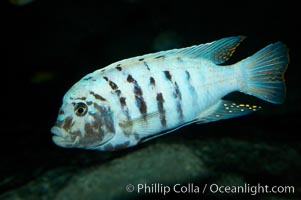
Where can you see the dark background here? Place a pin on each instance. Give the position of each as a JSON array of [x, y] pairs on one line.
[[50, 44]]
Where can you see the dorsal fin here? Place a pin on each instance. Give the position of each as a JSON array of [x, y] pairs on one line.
[[218, 52]]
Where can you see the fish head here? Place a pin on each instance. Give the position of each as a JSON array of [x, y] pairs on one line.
[[82, 123]]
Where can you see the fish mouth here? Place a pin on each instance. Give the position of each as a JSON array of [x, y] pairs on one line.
[[59, 132], [61, 137]]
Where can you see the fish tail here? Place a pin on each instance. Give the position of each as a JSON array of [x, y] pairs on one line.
[[263, 73]]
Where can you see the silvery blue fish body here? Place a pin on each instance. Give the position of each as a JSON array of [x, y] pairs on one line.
[[140, 98]]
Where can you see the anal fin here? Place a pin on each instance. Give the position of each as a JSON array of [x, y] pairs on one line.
[[224, 109]]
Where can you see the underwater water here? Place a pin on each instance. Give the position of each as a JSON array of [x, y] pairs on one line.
[[50, 45]]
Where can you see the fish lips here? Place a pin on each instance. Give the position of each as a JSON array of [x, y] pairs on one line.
[[60, 137]]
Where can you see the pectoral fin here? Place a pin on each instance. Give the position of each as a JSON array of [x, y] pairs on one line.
[[143, 126], [148, 128]]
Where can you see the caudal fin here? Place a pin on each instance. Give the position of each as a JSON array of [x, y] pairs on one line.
[[264, 73]]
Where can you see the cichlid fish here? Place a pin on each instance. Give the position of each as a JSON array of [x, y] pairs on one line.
[[137, 99]]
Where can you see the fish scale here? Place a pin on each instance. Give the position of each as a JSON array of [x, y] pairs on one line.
[[138, 99], [166, 87], [158, 69]]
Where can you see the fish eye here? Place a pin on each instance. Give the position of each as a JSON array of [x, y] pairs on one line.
[[80, 109]]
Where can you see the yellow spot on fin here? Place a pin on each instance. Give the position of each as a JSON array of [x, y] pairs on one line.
[[218, 51], [221, 110], [224, 49]]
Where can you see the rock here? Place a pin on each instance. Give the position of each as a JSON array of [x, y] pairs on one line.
[[156, 163], [164, 163]]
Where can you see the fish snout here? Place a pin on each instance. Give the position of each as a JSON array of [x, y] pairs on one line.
[[60, 137], [56, 130]]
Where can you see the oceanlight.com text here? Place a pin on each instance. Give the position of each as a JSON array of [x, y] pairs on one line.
[[191, 188]]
